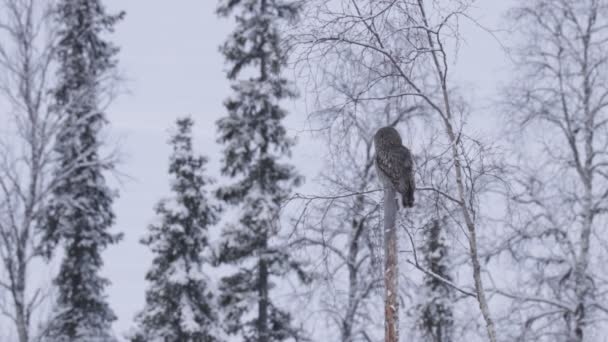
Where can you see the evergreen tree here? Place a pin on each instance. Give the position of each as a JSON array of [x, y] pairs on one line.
[[79, 214], [436, 317], [179, 303], [255, 142]]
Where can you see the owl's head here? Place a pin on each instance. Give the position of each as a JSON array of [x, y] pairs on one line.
[[387, 136]]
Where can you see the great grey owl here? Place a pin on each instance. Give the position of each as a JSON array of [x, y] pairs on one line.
[[394, 164]]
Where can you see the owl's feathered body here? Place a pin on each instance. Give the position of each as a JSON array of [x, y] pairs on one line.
[[394, 164]]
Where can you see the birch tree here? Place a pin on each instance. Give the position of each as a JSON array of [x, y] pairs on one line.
[[337, 233], [26, 58], [558, 104]]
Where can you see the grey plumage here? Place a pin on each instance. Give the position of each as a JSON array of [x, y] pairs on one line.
[[394, 164]]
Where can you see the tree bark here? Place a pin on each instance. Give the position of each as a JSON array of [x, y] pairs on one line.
[[21, 311], [454, 139], [391, 304], [263, 301]]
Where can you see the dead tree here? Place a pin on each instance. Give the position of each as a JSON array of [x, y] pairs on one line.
[[394, 166], [391, 269]]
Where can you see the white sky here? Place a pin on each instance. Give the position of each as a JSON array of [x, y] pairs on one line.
[[170, 57]]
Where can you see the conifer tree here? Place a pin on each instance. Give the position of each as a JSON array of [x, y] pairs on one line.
[[255, 146], [436, 317], [179, 302], [79, 215]]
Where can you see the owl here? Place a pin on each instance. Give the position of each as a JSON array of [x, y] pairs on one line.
[[394, 164]]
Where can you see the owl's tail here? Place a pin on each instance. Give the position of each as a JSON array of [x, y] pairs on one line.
[[406, 190], [407, 200]]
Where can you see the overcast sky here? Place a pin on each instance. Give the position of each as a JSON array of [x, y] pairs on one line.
[[171, 60]]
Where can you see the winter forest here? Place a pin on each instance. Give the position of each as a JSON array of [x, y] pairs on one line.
[[303, 170]]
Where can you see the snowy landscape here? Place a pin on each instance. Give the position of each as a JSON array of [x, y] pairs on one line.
[[303, 170]]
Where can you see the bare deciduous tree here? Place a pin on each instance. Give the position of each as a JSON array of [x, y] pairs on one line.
[[26, 54], [559, 106]]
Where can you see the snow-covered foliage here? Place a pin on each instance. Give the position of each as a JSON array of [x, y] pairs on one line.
[[180, 305], [436, 317], [255, 142], [80, 214]]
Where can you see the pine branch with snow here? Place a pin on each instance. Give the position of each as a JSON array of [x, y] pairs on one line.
[[436, 321], [79, 215], [255, 147], [180, 303]]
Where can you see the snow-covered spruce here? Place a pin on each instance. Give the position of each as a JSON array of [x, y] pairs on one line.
[[436, 322], [79, 215], [255, 142], [179, 301]]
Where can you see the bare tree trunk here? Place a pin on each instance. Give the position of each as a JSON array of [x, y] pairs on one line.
[[16, 286], [263, 301], [580, 272], [353, 272], [391, 304], [472, 230], [447, 118]]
